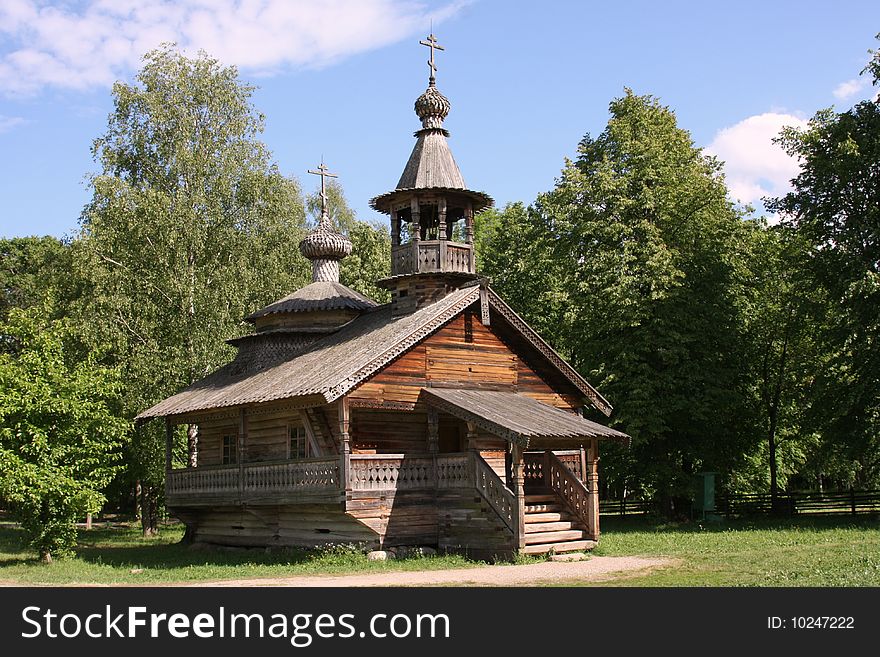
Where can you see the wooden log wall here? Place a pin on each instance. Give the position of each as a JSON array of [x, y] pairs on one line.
[[467, 525], [454, 520], [462, 353], [301, 525], [389, 432], [211, 434], [267, 434]]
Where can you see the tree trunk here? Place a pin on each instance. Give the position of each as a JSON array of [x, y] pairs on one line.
[[149, 511], [192, 445], [773, 416]]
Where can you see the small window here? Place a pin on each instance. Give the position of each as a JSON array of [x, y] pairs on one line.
[[468, 327], [298, 446], [230, 450]]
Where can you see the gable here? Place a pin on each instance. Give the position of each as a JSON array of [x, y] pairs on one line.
[[463, 352]]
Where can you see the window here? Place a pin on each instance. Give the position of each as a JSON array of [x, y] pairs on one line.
[[298, 445], [468, 327], [229, 449]]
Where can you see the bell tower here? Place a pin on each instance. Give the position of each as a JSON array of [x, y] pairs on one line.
[[431, 210]]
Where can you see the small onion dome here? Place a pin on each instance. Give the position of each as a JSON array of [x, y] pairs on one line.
[[432, 107], [324, 243]]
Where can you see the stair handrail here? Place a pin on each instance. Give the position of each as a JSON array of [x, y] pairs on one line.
[[492, 489], [570, 489]]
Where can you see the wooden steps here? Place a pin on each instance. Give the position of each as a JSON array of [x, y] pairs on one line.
[[550, 528], [558, 548]]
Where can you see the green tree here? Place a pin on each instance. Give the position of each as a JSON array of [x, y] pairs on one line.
[[60, 432], [515, 249], [780, 307], [835, 208], [645, 260], [34, 270], [370, 257], [190, 228]]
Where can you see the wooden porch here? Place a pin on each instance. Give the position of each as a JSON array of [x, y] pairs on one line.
[[547, 501]]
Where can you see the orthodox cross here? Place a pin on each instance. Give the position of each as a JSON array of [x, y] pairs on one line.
[[433, 45], [322, 171]]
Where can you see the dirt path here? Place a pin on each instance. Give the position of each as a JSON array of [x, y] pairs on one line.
[[596, 569]]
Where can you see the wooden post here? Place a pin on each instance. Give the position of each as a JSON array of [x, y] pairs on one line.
[[395, 228], [344, 444], [469, 235], [583, 473], [169, 443], [593, 487], [242, 450], [471, 437], [433, 431], [519, 490], [416, 232], [441, 232], [545, 469], [192, 445]]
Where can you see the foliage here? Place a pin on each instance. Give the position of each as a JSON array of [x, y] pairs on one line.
[[189, 229], [370, 258], [60, 433], [780, 306], [835, 209], [642, 258], [33, 272], [515, 249]]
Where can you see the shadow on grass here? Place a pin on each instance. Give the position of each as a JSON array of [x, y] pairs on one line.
[[652, 523], [123, 547]]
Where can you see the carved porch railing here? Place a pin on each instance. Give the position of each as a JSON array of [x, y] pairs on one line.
[[578, 499], [236, 483], [431, 256], [308, 474], [203, 481], [500, 497], [533, 465], [391, 472]]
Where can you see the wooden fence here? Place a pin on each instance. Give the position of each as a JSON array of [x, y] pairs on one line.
[[851, 502], [625, 507]]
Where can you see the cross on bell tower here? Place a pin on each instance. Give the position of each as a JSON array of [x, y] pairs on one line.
[[431, 209], [323, 172], [431, 42]]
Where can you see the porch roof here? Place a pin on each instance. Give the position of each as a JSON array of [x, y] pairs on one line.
[[517, 418]]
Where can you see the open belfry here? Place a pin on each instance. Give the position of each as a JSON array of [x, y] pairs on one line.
[[439, 419]]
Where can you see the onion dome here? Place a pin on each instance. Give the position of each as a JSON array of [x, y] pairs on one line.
[[432, 107], [325, 243]]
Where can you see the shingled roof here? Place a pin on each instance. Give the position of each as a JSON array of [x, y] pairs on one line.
[[321, 295], [331, 366], [516, 417], [328, 368]]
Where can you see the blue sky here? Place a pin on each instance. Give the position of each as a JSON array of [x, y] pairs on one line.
[[526, 80]]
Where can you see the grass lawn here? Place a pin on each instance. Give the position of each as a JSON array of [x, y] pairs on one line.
[[758, 552], [109, 555], [818, 551]]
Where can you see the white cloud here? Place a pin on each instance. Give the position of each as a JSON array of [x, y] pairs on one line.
[[754, 166], [7, 123], [93, 43], [850, 88]]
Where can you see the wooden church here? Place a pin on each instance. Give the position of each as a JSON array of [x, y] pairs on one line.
[[439, 419]]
